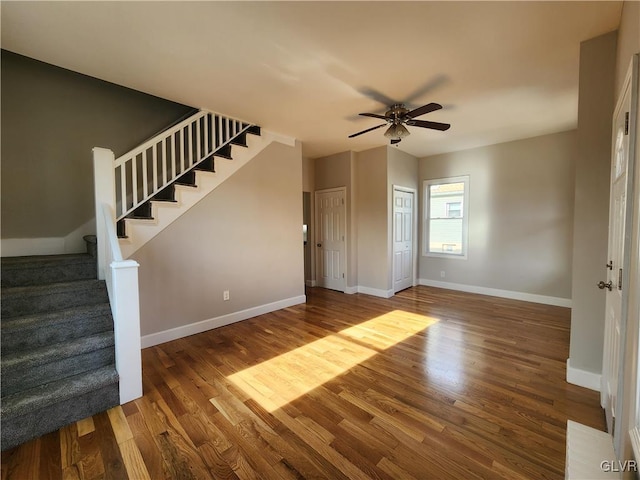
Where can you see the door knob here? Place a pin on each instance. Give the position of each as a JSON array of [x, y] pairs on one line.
[[318, 244], [602, 285]]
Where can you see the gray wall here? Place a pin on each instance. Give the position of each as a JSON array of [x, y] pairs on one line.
[[520, 215], [245, 237], [51, 119], [595, 110]]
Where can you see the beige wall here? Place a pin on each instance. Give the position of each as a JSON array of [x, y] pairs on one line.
[[520, 215], [51, 119], [628, 41], [339, 171], [308, 175], [402, 171], [372, 213], [590, 231], [244, 237]]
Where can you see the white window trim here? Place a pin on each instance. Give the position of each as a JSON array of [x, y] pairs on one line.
[[465, 217]]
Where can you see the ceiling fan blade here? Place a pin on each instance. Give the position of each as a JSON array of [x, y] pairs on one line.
[[367, 130], [435, 82], [377, 96], [374, 115], [430, 107], [433, 125]]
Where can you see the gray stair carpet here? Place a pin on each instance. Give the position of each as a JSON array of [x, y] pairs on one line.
[[57, 354]]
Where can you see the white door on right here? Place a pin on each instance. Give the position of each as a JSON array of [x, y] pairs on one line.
[[613, 285]]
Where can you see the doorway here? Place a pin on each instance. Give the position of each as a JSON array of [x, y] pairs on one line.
[[331, 238], [616, 284], [403, 238]]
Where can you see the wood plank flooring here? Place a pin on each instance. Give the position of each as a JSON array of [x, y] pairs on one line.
[[431, 384]]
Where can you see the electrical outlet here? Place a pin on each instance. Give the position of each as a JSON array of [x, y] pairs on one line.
[[225, 295], [442, 274]]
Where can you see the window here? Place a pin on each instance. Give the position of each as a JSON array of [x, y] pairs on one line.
[[446, 219], [454, 209]]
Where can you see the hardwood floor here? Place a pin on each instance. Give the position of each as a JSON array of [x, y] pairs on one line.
[[431, 384]]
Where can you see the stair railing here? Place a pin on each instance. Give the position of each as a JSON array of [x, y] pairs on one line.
[[147, 169], [121, 277]]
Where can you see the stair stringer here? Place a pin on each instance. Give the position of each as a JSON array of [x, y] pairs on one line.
[[140, 231]]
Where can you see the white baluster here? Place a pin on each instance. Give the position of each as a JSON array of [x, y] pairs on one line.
[[164, 161], [123, 186], [145, 186], [198, 146], [190, 144], [218, 131], [134, 180], [173, 157], [182, 150], [154, 156], [207, 129]]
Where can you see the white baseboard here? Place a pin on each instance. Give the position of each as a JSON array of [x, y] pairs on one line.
[[495, 292], [204, 325], [376, 292], [71, 243], [583, 378]]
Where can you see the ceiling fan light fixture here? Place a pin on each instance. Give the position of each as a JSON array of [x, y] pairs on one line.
[[396, 132]]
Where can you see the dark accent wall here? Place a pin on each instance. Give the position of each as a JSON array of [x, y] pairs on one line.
[[51, 119]]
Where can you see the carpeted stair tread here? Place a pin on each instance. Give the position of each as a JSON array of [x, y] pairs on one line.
[[25, 370], [58, 391], [67, 258], [44, 269], [18, 301], [42, 320], [37, 330], [51, 353]]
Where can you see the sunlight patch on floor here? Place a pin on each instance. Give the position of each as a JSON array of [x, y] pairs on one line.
[[279, 380]]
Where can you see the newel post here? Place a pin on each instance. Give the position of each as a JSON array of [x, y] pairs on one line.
[[126, 309], [105, 193]]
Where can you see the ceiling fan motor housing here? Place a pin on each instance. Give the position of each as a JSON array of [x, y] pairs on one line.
[[396, 112]]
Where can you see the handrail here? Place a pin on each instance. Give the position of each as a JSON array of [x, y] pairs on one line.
[[112, 237], [154, 140], [144, 171], [191, 112]]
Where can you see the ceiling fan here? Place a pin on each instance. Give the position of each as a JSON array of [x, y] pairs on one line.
[[398, 116]]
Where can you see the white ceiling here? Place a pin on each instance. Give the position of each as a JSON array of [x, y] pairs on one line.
[[502, 70]]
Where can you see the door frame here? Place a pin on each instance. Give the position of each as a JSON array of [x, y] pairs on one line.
[[628, 422], [414, 239], [318, 258], [628, 401]]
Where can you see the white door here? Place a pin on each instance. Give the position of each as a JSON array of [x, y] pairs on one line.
[[614, 285], [331, 228], [403, 202]]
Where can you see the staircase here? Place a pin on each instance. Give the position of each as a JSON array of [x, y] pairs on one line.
[[160, 180], [71, 330], [57, 359]]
